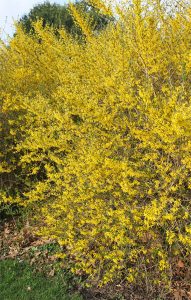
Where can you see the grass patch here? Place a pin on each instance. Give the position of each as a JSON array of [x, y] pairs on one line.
[[18, 280]]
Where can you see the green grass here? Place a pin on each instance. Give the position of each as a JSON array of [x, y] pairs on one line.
[[19, 281]]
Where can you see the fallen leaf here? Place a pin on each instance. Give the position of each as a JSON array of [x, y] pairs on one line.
[[180, 264], [37, 253], [189, 295], [12, 252], [177, 295], [51, 273]]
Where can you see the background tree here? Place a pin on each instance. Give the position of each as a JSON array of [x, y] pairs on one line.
[[59, 16]]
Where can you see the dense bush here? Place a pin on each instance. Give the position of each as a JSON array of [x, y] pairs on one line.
[[97, 136]]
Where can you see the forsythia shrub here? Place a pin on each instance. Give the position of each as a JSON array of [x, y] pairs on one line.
[[97, 136]]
